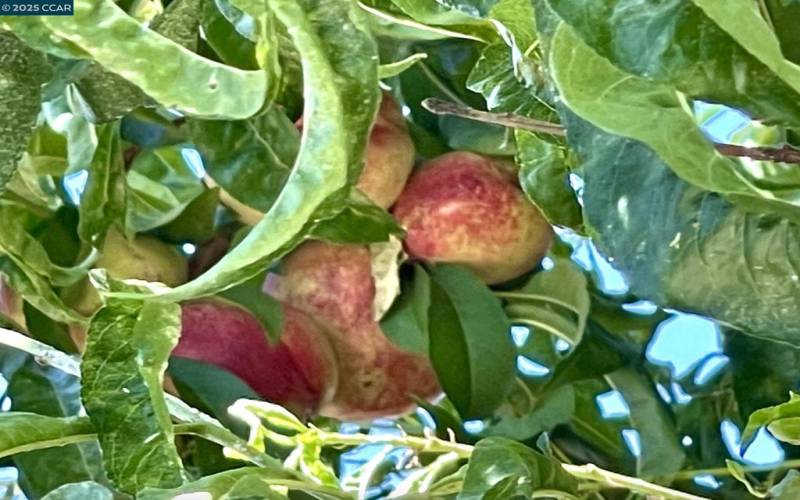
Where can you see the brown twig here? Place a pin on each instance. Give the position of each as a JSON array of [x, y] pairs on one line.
[[785, 154]]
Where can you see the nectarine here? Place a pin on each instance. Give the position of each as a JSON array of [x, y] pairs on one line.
[[468, 209], [298, 372], [389, 157], [334, 285]]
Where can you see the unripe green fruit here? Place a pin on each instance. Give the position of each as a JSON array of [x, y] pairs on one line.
[[143, 258]]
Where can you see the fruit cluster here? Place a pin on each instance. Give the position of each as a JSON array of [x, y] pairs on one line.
[[332, 357]]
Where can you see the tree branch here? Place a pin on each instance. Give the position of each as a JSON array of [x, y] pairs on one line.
[[786, 154]]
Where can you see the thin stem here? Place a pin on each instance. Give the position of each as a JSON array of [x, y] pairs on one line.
[[440, 107], [227, 439], [420, 444], [785, 154], [42, 353], [723, 471], [594, 473]]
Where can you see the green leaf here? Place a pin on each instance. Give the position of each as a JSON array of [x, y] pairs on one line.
[[554, 300], [544, 177], [160, 185], [196, 223], [788, 488], [38, 291], [164, 70], [743, 22], [123, 367], [53, 394], [23, 71], [246, 482], [86, 490], [22, 246], [782, 418], [683, 247], [522, 424], [782, 14], [520, 470], [180, 22], [341, 94], [602, 434], [209, 388], [633, 107], [21, 432], [661, 452], [103, 200], [661, 46], [389, 70], [359, 222], [250, 159], [108, 95], [406, 322], [470, 345]]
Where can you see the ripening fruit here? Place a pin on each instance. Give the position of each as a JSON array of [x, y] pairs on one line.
[[144, 258], [468, 209], [298, 372], [389, 156], [334, 285]]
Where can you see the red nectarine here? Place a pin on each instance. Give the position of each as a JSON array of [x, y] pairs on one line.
[[389, 157], [468, 209], [334, 285], [298, 372]]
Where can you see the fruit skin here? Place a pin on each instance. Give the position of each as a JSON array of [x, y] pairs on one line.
[[298, 372], [333, 284], [468, 209], [389, 156], [143, 257]]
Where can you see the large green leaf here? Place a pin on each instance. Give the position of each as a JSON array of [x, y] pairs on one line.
[[102, 203], [501, 468], [23, 71], [123, 370], [544, 177], [21, 432], [246, 482], [341, 96], [250, 159], [782, 420], [86, 490], [164, 70], [51, 393], [37, 290], [623, 104], [406, 322], [661, 452], [555, 301], [660, 43], [683, 247], [470, 346], [160, 185], [743, 22], [17, 241]]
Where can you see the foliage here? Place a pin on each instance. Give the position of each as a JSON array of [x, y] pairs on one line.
[[234, 130]]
